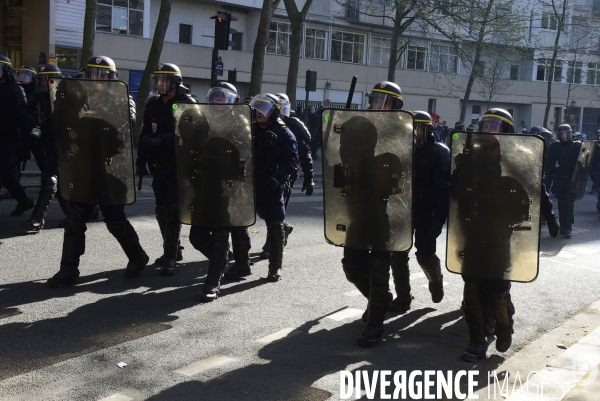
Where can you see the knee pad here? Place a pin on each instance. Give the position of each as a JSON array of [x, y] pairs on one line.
[[171, 212], [426, 260], [379, 269], [400, 258], [200, 243], [74, 227], [472, 295], [49, 183]]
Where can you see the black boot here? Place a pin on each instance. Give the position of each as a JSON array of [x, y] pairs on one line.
[[240, 243], [287, 228], [401, 274], [501, 305], [124, 232], [432, 269], [74, 239], [266, 248], [277, 238], [40, 211], [95, 214], [474, 317], [379, 281], [219, 249], [64, 206], [171, 239]]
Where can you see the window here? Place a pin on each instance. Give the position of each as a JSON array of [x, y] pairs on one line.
[[279, 38], [124, 17], [574, 72], [237, 38], [544, 72], [315, 43], [476, 109], [416, 58], [347, 47], [514, 72], [68, 58], [593, 74], [549, 21], [431, 106], [185, 34], [380, 52], [443, 59]]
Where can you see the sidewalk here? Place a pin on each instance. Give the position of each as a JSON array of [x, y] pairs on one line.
[[544, 369]]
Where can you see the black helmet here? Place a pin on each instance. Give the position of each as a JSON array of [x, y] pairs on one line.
[[247, 99], [565, 128], [27, 75], [46, 72], [497, 121], [286, 106], [267, 104], [386, 96], [536, 130], [166, 79], [80, 74], [471, 128], [101, 67], [5, 66], [222, 92], [459, 125], [423, 126]]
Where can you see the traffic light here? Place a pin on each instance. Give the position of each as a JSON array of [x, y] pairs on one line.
[[223, 30]]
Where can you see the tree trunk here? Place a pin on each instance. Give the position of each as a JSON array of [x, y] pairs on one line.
[[475, 66], [292, 77], [561, 24], [153, 59], [89, 31], [394, 48], [262, 37]]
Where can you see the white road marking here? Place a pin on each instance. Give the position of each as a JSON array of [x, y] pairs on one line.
[[203, 365], [117, 397], [281, 334], [306, 199], [318, 207], [345, 314], [553, 260]]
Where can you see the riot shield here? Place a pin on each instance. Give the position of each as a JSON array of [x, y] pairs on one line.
[[582, 170], [367, 175], [92, 133], [494, 214], [213, 149]]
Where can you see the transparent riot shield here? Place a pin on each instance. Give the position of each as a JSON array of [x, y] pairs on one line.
[[213, 148], [367, 175], [582, 170], [92, 132], [494, 215]]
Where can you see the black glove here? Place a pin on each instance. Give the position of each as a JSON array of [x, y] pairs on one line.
[[141, 171], [309, 186], [553, 227], [435, 229], [270, 183]]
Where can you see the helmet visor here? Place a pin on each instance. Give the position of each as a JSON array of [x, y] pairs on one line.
[[25, 77], [263, 104], [42, 83], [422, 131], [98, 73], [492, 125], [286, 107], [221, 96], [161, 84], [381, 101]]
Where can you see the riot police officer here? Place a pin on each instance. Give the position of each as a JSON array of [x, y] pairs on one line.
[[44, 149], [303, 139], [275, 161], [430, 210], [369, 270], [213, 242], [96, 144], [560, 164], [480, 294], [15, 121], [471, 128], [156, 148]]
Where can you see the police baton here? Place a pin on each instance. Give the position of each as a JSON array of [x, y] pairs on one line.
[[351, 93]]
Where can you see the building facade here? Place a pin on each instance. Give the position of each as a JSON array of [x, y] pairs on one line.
[[339, 41]]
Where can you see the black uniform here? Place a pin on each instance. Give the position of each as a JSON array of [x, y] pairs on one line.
[[430, 211], [560, 165], [156, 148], [14, 121]]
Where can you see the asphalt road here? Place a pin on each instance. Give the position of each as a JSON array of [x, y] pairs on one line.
[[65, 344]]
